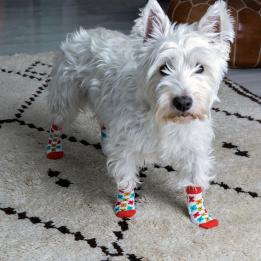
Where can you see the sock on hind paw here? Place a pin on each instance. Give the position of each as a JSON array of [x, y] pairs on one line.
[[54, 147], [125, 204], [197, 210]]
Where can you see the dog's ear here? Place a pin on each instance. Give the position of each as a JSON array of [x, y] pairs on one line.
[[217, 22], [153, 23]]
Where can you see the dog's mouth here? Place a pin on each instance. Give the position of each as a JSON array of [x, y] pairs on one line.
[[166, 115], [185, 114], [187, 117]]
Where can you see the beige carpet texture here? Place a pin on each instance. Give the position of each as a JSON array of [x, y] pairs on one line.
[[63, 210]]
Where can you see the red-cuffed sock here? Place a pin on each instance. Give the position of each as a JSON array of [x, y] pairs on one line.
[[197, 211], [125, 204], [54, 147]]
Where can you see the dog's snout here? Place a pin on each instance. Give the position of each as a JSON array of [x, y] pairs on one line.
[[182, 103]]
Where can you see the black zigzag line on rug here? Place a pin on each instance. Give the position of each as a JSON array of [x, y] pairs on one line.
[[7, 121], [25, 75], [237, 189], [236, 114], [34, 64], [232, 86], [226, 79], [39, 90], [238, 152], [124, 226], [44, 85], [28, 102], [92, 242]]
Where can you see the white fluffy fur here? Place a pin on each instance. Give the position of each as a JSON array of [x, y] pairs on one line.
[[118, 77]]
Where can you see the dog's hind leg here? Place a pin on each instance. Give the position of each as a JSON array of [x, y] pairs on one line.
[[64, 102], [54, 147]]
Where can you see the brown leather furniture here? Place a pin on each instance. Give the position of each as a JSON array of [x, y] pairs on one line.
[[246, 50]]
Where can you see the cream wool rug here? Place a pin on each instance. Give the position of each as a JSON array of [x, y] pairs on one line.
[[63, 210]]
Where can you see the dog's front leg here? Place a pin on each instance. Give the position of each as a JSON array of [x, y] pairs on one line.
[[124, 170], [197, 169]]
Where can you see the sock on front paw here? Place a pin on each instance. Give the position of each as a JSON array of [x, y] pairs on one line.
[[54, 147], [125, 204], [197, 211]]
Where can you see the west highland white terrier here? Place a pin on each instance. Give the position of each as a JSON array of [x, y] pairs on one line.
[[152, 92]]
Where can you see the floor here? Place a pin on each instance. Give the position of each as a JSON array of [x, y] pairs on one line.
[[33, 26], [248, 78]]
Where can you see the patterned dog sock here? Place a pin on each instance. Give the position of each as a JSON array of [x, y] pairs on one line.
[[197, 211], [125, 204], [54, 147]]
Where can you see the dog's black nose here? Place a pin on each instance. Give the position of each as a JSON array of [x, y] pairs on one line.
[[182, 103]]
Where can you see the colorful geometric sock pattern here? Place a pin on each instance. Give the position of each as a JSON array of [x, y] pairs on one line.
[[197, 211], [125, 204], [104, 138], [54, 147]]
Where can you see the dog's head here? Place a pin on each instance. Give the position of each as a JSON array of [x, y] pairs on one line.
[[182, 65]]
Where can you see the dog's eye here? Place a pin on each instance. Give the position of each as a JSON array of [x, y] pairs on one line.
[[163, 69], [200, 68]]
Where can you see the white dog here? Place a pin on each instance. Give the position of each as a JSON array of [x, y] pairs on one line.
[[153, 91]]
